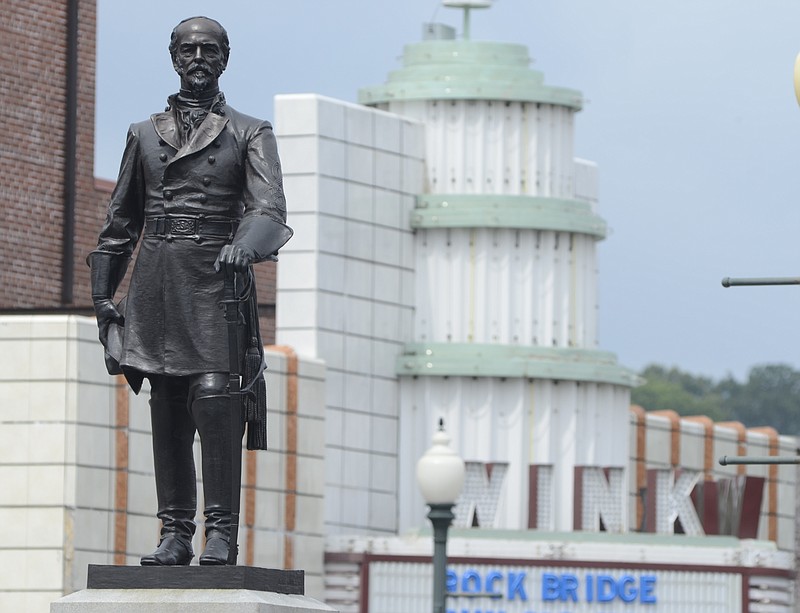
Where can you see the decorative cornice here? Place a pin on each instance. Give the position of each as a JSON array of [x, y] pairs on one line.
[[468, 70], [505, 211], [489, 360]]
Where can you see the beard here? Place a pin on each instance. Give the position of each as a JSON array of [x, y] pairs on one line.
[[199, 82], [199, 78]]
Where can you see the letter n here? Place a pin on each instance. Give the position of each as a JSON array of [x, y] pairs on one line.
[[600, 499]]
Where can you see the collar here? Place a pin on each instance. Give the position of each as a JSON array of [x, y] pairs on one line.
[[214, 122], [214, 102]]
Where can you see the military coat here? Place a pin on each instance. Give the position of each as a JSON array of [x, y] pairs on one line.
[[228, 170]]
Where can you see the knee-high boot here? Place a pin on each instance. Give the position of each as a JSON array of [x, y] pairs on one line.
[[212, 416], [176, 489]]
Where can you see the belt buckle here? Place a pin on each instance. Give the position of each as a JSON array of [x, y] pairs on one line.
[[183, 226]]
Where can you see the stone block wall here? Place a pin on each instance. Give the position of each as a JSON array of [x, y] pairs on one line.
[[346, 286], [56, 450], [77, 470]]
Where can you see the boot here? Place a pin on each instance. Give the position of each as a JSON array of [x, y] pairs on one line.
[[176, 490], [212, 416], [171, 551]]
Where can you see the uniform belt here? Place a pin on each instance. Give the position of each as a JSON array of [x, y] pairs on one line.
[[189, 227]]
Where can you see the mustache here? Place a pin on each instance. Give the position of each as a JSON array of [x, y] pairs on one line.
[[201, 66]]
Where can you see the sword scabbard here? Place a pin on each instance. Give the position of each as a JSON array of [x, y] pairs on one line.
[[234, 389]]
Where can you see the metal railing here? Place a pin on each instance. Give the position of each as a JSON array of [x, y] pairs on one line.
[[750, 281], [728, 282], [755, 459]]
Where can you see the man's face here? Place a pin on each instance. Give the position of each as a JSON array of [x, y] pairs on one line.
[[198, 59]]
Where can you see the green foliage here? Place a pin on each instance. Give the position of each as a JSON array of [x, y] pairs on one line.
[[679, 391], [769, 397]]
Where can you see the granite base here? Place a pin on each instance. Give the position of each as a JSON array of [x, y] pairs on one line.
[[185, 601]]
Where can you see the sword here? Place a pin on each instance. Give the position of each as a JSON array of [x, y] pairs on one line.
[[232, 318]]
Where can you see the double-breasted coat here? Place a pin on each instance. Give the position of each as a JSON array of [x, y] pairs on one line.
[[227, 171]]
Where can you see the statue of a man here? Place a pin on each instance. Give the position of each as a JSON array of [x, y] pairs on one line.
[[201, 184]]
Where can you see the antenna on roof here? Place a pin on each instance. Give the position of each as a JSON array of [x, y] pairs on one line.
[[467, 5]]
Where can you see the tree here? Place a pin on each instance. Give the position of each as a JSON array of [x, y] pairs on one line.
[[682, 392], [771, 397]]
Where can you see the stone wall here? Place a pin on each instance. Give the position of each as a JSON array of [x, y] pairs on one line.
[[77, 469], [346, 286]]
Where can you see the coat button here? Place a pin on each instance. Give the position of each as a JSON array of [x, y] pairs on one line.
[[168, 194], [161, 142], [217, 144], [211, 159], [163, 157], [206, 181], [202, 197]]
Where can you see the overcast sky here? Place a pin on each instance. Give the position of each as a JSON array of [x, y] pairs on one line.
[[690, 114]]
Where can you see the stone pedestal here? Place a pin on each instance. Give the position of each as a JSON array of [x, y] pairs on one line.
[[190, 589], [185, 601]]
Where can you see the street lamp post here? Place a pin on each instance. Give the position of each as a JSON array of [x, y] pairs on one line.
[[440, 475]]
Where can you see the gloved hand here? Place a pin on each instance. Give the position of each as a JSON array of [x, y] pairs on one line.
[[107, 314], [108, 269], [234, 258], [258, 238]]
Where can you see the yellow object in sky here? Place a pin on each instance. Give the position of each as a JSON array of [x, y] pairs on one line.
[[797, 78]]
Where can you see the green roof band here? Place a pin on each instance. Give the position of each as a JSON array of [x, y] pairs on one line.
[[520, 361], [468, 70], [506, 211]]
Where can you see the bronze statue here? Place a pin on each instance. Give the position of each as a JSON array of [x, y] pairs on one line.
[[201, 184]]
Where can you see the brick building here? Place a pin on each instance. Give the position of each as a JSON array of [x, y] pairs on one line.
[[51, 205], [38, 272]]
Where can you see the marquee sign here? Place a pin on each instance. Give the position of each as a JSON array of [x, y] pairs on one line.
[[396, 586]]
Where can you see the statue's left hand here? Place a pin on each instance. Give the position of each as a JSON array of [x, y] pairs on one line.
[[234, 258]]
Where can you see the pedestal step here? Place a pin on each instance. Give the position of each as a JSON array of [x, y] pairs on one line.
[[196, 577]]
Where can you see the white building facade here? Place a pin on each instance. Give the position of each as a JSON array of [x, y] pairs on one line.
[[444, 266], [505, 330], [480, 286]]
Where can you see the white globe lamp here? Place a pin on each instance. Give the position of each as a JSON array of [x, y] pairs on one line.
[[440, 475]]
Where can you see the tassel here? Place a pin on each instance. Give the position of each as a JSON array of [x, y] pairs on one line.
[[254, 397], [255, 400]]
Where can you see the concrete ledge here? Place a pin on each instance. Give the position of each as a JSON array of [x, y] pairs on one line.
[[185, 601]]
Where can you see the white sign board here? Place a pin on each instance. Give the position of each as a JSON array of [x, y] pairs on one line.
[[405, 587]]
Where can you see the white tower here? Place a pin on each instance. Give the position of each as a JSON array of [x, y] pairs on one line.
[[505, 329]]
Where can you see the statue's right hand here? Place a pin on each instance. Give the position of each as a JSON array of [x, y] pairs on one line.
[[107, 314]]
